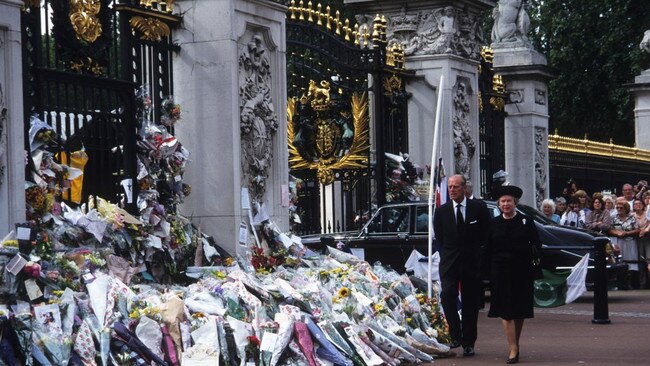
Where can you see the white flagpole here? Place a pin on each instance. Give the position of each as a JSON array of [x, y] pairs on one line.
[[436, 131]]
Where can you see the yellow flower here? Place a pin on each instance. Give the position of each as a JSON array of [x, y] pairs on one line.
[[10, 243], [227, 262], [344, 292], [379, 308], [135, 314]]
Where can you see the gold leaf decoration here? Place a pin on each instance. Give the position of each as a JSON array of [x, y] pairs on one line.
[[83, 16], [152, 29], [355, 158]]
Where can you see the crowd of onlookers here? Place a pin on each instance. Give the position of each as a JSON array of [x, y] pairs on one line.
[[624, 219]]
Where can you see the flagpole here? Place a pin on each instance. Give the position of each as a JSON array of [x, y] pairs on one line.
[[434, 149]]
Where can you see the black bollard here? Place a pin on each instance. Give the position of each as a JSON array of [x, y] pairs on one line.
[[601, 310]]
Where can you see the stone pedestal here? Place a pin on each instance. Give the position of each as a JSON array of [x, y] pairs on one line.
[[440, 37], [230, 76], [12, 150], [526, 76], [641, 91]]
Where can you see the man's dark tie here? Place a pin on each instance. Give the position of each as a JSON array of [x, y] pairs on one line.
[[459, 218]]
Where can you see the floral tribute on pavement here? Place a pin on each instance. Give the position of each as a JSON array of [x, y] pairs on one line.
[[97, 286]]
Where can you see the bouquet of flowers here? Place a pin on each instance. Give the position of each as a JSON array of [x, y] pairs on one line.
[[171, 112]]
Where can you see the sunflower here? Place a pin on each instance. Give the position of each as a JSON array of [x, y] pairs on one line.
[[344, 292]]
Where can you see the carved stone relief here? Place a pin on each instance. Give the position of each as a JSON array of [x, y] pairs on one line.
[[258, 119], [540, 96], [464, 145], [540, 164], [442, 31], [516, 95], [3, 120], [511, 23], [3, 135]]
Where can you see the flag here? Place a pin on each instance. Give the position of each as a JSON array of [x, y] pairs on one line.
[[440, 182], [559, 288]]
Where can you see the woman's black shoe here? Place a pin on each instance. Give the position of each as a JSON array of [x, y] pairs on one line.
[[513, 360]]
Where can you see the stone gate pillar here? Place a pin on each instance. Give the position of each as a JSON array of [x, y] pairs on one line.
[[440, 37], [12, 149], [526, 76], [641, 91], [231, 78]]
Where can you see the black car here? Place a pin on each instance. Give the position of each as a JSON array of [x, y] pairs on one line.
[[395, 230]]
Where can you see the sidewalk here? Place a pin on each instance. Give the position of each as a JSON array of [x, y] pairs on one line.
[[566, 336]]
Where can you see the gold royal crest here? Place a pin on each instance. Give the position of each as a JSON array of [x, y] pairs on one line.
[[325, 134]]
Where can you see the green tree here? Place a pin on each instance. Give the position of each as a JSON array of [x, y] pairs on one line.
[[594, 47]]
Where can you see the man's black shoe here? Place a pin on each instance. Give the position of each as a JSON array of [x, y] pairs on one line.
[[454, 344], [468, 351]]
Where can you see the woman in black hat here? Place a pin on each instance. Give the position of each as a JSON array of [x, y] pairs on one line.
[[510, 256]]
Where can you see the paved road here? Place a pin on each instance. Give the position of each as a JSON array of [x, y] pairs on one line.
[[566, 336]]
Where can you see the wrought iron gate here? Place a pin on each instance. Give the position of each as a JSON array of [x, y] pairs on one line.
[[333, 66], [82, 61], [492, 100]]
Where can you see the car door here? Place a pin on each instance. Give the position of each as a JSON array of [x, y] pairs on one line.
[[386, 237]]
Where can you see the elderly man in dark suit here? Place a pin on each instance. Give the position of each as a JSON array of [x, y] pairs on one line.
[[461, 229]]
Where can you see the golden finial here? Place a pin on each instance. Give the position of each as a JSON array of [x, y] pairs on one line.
[[355, 34], [320, 14], [300, 10], [375, 34], [328, 18], [390, 56], [310, 12], [366, 37], [292, 9], [338, 22], [169, 6], [347, 29]]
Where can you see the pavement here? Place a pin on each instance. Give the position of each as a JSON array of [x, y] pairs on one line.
[[566, 336]]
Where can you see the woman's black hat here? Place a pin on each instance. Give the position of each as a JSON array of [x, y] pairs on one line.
[[513, 191]]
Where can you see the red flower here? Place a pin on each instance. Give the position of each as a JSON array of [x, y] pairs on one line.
[[253, 340]]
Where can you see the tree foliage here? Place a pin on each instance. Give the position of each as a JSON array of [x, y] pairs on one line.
[[594, 47]]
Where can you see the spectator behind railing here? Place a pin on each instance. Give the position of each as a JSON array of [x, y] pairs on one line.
[[609, 204], [598, 218], [573, 216], [623, 234], [548, 209]]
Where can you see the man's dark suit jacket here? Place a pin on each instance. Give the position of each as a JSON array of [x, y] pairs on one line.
[[460, 253]]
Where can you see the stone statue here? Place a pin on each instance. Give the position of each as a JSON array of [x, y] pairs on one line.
[[511, 22], [258, 120], [645, 43], [447, 28]]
